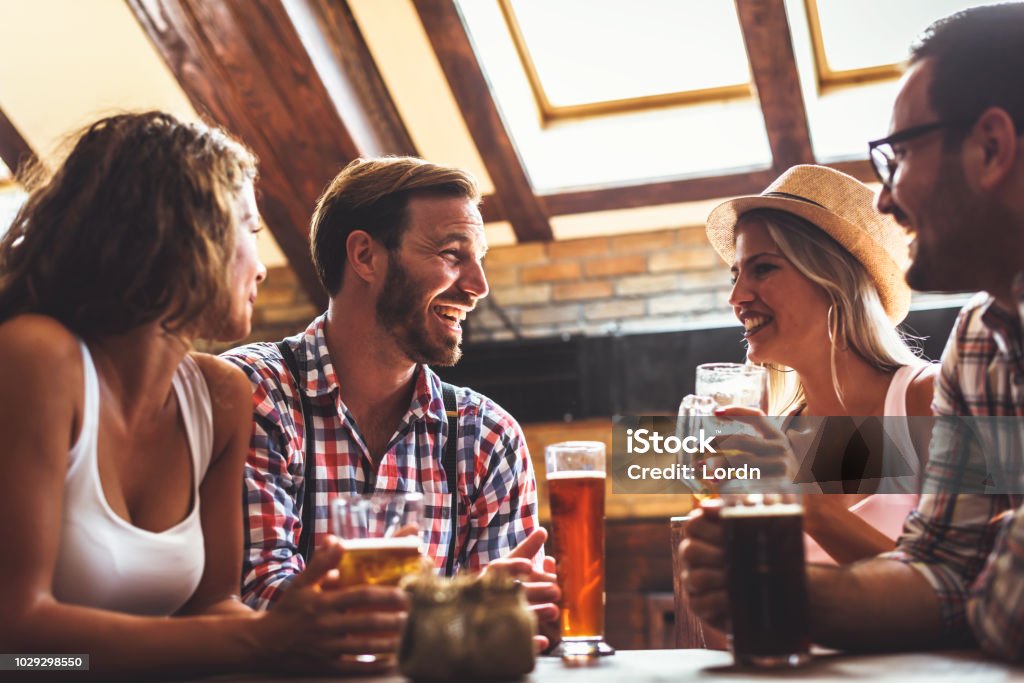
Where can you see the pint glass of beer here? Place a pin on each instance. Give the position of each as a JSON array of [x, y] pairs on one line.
[[576, 481], [732, 384], [380, 535], [766, 578], [718, 385]]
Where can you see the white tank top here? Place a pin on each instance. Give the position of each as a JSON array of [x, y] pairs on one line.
[[106, 562], [898, 494], [902, 471]]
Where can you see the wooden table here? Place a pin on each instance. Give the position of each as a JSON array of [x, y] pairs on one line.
[[675, 666]]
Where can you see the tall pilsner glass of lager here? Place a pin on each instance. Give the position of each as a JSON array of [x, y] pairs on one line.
[[380, 535], [576, 481]]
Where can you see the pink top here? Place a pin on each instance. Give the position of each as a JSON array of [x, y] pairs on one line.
[[886, 511]]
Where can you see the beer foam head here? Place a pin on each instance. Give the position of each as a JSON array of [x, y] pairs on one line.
[[391, 542], [777, 510], [587, 474]]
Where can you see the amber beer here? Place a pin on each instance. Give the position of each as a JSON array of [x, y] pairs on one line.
[[577, 520], [380, 541], [767, 585], [378, 561]]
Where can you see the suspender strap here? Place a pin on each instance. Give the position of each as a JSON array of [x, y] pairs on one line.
[[450, 464], [308, 481]]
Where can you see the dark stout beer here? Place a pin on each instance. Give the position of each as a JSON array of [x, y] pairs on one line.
[[577, 525], [767, 583]]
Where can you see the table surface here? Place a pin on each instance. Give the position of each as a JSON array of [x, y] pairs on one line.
[[650, 666]]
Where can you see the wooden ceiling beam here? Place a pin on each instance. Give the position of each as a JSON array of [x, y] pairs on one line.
[[772, 62], [664, 192], [513, 194], [672, 191], [14, 150], [245, 65]]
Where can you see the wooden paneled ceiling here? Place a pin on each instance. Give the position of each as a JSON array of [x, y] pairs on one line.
[[297, 82]]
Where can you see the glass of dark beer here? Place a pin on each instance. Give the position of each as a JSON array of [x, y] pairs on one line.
[[766, 578], [576, 482]]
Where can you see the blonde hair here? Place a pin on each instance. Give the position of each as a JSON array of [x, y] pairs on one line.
[[372, 195], [857, 320]]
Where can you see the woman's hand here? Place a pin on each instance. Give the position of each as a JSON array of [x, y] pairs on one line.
[[769, 449], [310, 629]]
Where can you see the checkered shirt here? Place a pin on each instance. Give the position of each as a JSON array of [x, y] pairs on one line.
[[951, 535], [496, 485]]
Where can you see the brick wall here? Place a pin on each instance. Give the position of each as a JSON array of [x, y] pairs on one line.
[[639, 282], [627, 283]]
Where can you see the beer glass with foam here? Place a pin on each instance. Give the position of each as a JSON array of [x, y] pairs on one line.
[[732, 384], [576, 484], [766, 578], [381, 538], [718, 385]]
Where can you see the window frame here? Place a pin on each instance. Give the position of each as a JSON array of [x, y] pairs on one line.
[[550, 113], [826, 78]]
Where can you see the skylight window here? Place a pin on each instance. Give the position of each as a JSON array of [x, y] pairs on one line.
[[849, 55], [610, 65], [868, 39], [586, 57]]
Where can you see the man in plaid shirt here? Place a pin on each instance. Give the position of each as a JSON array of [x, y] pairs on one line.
[[398, 244], [953, 174]]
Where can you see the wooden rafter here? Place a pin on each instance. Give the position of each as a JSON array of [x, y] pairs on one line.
[[244, 65], [673, 191], [14, 150], [513, 194], [770, 51], [664, 192]]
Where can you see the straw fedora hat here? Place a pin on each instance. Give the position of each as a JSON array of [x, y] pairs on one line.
[[842, 207]]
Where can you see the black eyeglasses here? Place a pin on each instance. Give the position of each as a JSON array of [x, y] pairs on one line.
[[883, 156]]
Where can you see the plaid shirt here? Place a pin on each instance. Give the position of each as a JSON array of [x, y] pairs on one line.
[[950, 537], [496, 485]]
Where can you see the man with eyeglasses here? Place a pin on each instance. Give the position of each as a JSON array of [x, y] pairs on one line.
[[952, 174]]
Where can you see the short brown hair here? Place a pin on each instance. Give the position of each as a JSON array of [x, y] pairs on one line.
[[978, 56], [136, 225], [372, 195]]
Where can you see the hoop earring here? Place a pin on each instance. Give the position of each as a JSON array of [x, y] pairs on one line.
[[839, 333]]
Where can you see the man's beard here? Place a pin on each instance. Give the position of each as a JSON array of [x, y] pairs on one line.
[[953, 259], [401, 314]]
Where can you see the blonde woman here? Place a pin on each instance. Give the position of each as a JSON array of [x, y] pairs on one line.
[[818, 286]]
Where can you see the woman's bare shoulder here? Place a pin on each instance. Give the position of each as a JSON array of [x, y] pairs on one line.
[[226, 382], [41, 382], [39, 343], [921, 391], [231, 399]]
